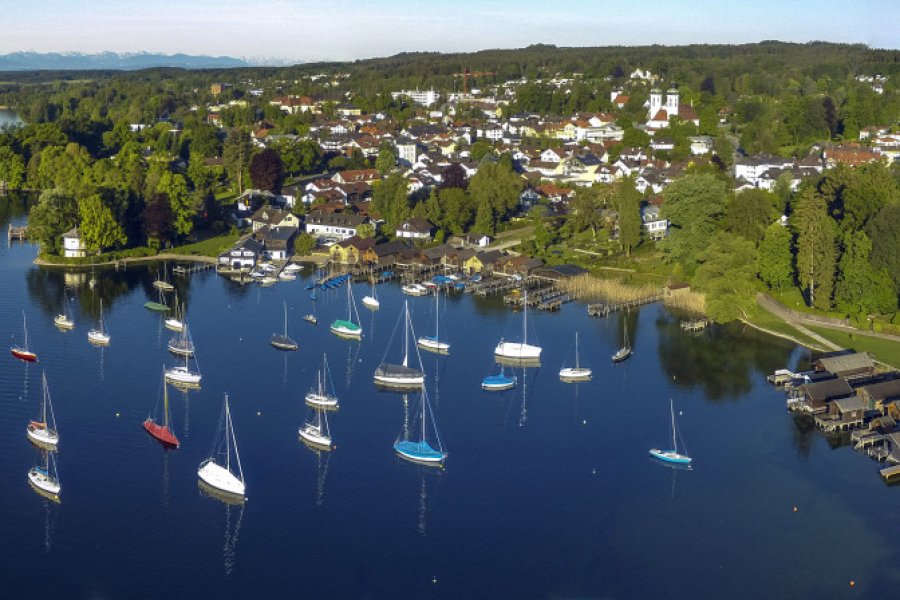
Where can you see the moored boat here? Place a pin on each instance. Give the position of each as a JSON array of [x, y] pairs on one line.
[[43, 431], [402, 375], [673, 455], [282, 341], [576, 373], [519, 350], [220, 476], [22, 352], [319, 397], [161, 431], [414, 289]]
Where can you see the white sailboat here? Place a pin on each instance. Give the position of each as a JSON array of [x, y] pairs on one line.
[[45, 477], [624, 352], [319, 397], [523, 350], [43, 431], [348, 328], [220, 475], [282, 341], [433, 343], [576, 373], [98, 335], [176, 322], [63, 320], [402, 375], [315, 432], [182, 345], [673, 455], [371, 302], [182, 375]]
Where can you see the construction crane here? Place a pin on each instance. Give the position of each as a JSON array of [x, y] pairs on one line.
[[466, 73]]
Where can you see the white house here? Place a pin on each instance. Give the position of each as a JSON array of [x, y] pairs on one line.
[[242, 256], [423, 98], [415, 228], [336, 226], [551, 156], [407, 151], [655, 226], [73, 246]]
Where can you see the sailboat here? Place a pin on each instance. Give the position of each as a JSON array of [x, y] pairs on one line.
[[576, 373], [43, 431], [499, 382], [315, 432], [523, 350], [45, 477], [92, 282], [402, 375], [221, 476], [319, 397], [183, 375], [282, 341], [22, 352], [348, 328], [672, 456], [624, 352], [157, 306], [371, 302], [182, 345], [176, 322], [433, 342], [98, 334], [421, 451], [161, 283], [63, 320], [161, 431]]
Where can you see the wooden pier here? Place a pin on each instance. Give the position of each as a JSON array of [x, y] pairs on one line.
[[18, 234], [603, 309], [891, 474], [694, 325]]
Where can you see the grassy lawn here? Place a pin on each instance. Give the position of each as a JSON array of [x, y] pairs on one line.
[[209, 247], [884, 350], [767, 320]]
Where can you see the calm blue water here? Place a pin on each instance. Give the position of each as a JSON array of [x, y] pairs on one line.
[[548, 490]]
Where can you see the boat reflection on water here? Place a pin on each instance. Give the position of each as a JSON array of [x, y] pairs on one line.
[[525, 363], [233, 504]]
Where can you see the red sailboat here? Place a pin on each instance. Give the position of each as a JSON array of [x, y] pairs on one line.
[[161, 431], [22, 352]]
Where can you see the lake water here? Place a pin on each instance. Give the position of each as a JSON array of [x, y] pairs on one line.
[[9, 117], [548, 490]]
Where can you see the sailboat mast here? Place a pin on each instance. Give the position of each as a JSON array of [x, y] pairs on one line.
[[237, 456], [285, 318], [576, 350], [44, 405], [525, 320], [672, 410], [25, 327], [406, 335], [423, 416], [166, 403], [228, 435], [437, 293]]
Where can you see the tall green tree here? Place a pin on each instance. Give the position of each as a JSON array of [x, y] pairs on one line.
[[694, 206], [12, 168], [174, 186], [628, 201], [727, 274], [99, 228], [816, 248], [157, 220], [884, 231], [55, 213], [386, 160], [775, 263], [584, 210], [860, 288], [749, 213], [236, 156], [499, 185], [484, 218], [390, 199]]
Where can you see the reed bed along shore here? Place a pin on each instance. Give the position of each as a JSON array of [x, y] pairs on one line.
[[687, 300], [588, 287]]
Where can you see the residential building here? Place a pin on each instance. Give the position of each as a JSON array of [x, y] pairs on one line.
[[73, 245], [415, 228], [333, 226]]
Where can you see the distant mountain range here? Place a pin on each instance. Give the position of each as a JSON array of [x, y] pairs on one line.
[[66, 61]]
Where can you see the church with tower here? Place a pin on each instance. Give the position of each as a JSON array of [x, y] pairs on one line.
[[659, 114]]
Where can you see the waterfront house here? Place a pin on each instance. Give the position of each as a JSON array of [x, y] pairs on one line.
[[353, 251], [73, 245], [390, 253], [242, 256], [271, 217], [843, 414], [279, 242]]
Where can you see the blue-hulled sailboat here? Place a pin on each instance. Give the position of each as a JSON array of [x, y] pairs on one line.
[[671, 456], [499, 382], [421, 451]]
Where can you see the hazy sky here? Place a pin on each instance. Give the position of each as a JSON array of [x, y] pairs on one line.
[[349, 29]]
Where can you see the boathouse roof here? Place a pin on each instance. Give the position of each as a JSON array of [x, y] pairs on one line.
[[847, 364], [822, 391], [883, 390], [850, 404]]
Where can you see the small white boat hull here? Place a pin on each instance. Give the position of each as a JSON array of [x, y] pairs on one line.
[[312, 435], [517, 351], [572, 374], [415, 289], [316, 400], [43, 482], [372, 303], [174, 325], [220, 478], [64, 322], [42, 436], [433, 345], [98, 338], [183, 376]]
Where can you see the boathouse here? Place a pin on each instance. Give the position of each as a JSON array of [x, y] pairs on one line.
[[848, 366], [843, 414], [882, 396], [816, 396], [73, 245]]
